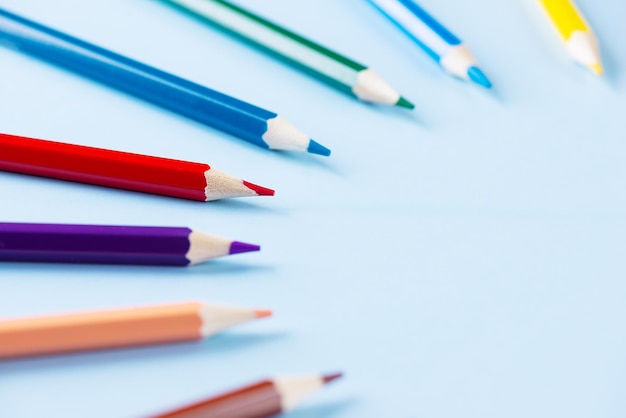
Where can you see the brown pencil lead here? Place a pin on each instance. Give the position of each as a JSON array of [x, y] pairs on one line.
[[330, 377]]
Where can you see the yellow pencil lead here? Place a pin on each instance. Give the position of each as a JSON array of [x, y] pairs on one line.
[[597, 69]]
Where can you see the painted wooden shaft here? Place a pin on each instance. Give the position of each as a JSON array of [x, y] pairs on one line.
[[255, 401], [566, 16], [333, 68], [100, 330], [273, 38], [94, 244]]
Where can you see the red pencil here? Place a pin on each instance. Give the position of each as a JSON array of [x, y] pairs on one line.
[[259, 400], [122, 170]]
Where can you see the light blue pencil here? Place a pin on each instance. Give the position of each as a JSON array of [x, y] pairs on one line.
[[437, 41]]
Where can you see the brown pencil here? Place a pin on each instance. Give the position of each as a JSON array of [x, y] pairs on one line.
[[128, 327], [258, 400]]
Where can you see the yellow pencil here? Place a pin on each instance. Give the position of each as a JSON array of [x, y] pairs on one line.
[[580, 41]]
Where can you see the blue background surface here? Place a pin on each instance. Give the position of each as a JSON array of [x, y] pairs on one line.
[[463, 260]]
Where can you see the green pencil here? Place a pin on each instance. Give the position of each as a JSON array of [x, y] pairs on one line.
[[331, 67]]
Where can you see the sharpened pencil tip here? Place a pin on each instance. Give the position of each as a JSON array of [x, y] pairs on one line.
[[237, 247], [402, 102], [259, 190], [262, 313], [477, 76], [317, 148], [330, 377]]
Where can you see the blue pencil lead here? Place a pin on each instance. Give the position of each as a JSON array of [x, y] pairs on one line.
[[317, 148], [477, 76]]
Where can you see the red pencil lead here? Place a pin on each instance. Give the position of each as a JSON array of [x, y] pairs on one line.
[[260, 190]]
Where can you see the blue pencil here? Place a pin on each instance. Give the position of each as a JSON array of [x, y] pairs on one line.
[[244, 120], [437, 41]]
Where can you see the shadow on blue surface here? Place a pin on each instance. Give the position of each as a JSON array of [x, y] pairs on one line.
[[259, 204], [413, 116], [612, 71], [217, 267], [301, 159], [212, 346], [327, 410]]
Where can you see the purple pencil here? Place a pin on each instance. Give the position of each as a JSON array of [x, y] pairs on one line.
[[104, 244]]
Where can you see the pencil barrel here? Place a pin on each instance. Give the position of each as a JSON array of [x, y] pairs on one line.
[[304, 54], [255, 401], [100, 330], [96, 244], [189, 99], [103, 167]]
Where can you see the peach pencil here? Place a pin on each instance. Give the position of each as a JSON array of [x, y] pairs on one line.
[[108, 329]]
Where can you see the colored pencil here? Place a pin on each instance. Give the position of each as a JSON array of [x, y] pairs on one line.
[[434, 38], [107, 244], [253, 124], [259, 400], [97, 330], [122, 170], [580, 41], [311, 57]]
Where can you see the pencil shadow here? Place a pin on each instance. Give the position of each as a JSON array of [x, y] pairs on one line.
[[241, 205], [224, 267], [412, 116], [329, 409], [325, 163], [612, 74], [211, 268], [237, 341], [213, 346], [495, 93], [472, 91]]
